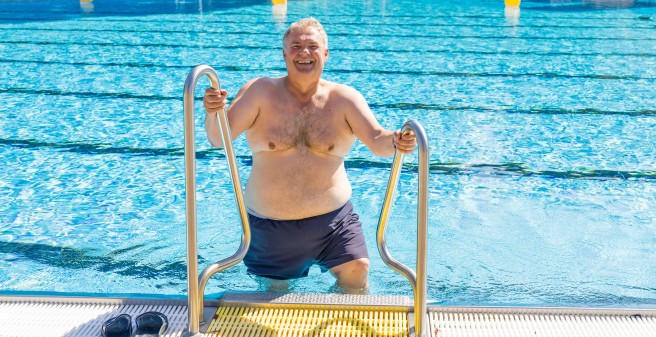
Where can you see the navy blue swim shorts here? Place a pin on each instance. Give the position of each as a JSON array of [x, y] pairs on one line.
[[286, 249]]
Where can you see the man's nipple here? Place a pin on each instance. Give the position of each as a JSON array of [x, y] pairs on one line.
[[272, 145], [331, 147]]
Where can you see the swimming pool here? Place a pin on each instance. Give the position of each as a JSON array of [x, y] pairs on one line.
[[543, 165]]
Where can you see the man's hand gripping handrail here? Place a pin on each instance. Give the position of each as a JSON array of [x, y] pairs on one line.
[[196, 286], [418, 281]]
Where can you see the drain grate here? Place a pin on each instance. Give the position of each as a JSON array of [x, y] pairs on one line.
[[274, 315], [32, 317], [234, 321], [447, 322]]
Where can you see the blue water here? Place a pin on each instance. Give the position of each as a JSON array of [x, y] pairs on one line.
[[543, 149]]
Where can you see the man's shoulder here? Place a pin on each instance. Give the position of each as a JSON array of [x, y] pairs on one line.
[[262, 82], [343, 90], [260, 86]]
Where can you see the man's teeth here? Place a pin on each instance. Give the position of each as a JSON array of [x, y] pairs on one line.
[[304, 62]]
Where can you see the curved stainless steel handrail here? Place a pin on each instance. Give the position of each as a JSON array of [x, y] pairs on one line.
[[418, 281], [196, 287]]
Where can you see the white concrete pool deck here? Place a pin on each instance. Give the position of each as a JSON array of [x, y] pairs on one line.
[[83, 316]]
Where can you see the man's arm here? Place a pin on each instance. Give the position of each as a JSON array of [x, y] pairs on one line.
[[241, 114], [367, 129]]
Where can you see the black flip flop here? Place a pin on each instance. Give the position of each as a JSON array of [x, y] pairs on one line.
[[119, 326], [151, 324]]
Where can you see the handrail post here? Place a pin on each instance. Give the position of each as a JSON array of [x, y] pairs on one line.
[[190, 192], [197, 285], [417, 281], [422, 229]]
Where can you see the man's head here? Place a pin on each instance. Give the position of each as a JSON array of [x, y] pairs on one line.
[[305, 48], [305, 23]]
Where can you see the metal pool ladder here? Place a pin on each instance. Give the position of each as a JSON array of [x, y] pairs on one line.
[[363, 308]]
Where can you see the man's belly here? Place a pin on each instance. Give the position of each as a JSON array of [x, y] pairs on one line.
[[296, 185]]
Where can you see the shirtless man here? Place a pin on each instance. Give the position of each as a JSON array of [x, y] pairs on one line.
[[299, 128]]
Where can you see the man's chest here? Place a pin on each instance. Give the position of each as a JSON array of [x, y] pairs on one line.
[[315, 126]]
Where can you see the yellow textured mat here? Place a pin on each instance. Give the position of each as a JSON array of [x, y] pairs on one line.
[[235, 321]]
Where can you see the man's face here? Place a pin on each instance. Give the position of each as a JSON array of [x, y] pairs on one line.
[[305, 51]]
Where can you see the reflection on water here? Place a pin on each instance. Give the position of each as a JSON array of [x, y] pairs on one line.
[[512, 15], [279, 11], [86, 6], [511, 12]]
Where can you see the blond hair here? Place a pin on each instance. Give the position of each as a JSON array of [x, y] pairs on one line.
[[304, 23]]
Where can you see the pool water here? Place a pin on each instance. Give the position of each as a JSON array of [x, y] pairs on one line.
[[541, 128]]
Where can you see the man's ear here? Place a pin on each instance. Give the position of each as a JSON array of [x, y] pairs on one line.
[[326, 54]]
